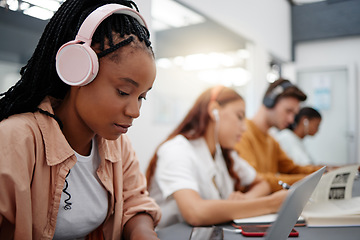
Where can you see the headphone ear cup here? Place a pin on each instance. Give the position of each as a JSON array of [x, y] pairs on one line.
[[270, 98], [268, 102], [76, 64]]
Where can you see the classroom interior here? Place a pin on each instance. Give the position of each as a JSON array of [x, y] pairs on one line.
[[242, 44]]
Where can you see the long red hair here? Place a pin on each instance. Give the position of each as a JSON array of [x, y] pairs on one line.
[[195, 123]]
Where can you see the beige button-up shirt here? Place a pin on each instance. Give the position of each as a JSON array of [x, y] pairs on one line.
[[34, 160]]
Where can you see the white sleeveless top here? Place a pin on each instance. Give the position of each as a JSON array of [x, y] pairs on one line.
[[89, 199]]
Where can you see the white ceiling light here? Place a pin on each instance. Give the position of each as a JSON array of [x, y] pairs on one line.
[[39, 12], [13, 5], [170, 14], [42, 9], [300, 2], [52, 5], [24, 6]]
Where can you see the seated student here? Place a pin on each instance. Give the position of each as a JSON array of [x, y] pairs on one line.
[[196, 176], [306, 123], [67, 171], [260, 149]]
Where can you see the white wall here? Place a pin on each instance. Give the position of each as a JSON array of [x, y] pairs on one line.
[[266, 23], [255, 20], [335, 53]]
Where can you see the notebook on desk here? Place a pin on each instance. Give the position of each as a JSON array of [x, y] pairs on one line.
[[263, 219], [292, 207]]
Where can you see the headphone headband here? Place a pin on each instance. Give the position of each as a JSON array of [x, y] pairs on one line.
[[92, 21], [270, 98], [76, 62]]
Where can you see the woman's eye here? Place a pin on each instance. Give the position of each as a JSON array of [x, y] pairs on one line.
[[241, 117], [122, 93], [142, 98]]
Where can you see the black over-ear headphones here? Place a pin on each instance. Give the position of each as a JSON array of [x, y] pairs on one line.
[[270, 98]]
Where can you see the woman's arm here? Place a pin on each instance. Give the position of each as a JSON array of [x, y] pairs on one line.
[[140, 226], [258, 188], [197, 211]]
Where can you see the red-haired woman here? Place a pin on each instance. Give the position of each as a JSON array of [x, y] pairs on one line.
[[195, 176]]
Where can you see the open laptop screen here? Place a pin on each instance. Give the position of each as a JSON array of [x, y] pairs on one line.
[[293, 205]]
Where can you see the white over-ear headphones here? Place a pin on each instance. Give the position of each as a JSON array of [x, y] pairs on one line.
[[76, 62], [216, 114]]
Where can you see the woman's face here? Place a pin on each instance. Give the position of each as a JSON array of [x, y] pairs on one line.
[[108, 105], [232, 123], [314, 125]]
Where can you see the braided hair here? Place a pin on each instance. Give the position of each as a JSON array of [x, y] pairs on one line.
[[39, 77]]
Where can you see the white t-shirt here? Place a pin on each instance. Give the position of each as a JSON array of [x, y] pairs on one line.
[[184, 164], [89, 199], [293, 146]]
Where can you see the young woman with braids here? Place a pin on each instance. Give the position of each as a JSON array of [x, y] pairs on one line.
[[306, 123], [66, 169], [196, 176]]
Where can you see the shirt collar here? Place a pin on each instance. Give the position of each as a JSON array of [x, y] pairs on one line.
[[110, 150], [57, 149]]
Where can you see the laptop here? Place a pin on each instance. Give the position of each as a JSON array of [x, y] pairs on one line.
[[288, 215], [290, 210]]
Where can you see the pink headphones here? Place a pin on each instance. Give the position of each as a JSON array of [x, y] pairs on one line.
[[76, 62]]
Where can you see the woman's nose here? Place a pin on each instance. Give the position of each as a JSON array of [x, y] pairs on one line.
[[133, 109]]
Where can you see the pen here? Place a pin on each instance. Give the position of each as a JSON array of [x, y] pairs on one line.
[[284, 185]]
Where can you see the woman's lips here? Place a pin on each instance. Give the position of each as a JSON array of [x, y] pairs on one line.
[[122, 128]]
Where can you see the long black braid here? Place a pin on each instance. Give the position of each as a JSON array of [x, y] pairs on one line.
[[39, 77]]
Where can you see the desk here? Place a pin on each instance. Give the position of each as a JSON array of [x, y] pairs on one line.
[[182, 231]]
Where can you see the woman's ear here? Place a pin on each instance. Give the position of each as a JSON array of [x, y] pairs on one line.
[[216, 114], [213, 111], [306, 122]]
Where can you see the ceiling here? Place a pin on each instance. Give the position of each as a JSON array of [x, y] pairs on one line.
[[21, 32], [199, 38], [301, 2]]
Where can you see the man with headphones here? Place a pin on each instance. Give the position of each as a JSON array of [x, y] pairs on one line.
[[280, 105]]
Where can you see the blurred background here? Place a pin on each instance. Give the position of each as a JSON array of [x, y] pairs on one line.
[[241, 44]]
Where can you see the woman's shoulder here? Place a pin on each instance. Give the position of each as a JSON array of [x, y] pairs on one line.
[[20, 130], [176, 141], [237, 159], [177, 144], [19, 123], [284, 135]]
